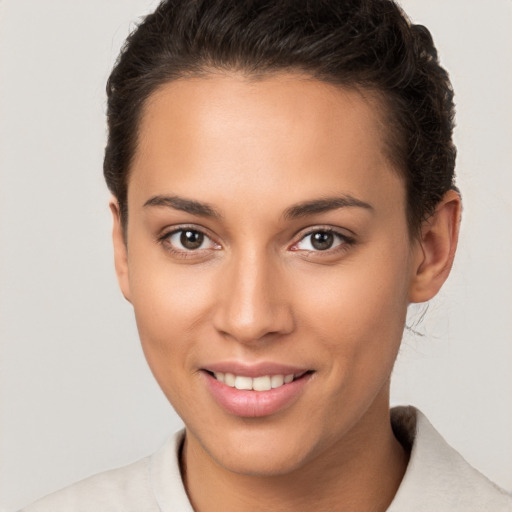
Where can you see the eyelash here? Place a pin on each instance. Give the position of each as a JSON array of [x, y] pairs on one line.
[[345, 242], [184, 253]]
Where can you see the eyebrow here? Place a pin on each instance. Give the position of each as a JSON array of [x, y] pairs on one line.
[[304, 209], [185, 205], [324, 205]]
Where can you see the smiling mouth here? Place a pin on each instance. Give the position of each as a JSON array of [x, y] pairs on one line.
[[261, 383]]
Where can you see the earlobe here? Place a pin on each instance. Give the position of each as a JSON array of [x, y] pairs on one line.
[[120, 250], [435, 249]]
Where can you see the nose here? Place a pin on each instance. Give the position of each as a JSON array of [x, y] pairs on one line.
[[253, 302]]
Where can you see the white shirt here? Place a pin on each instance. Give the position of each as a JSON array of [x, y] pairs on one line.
[[437, 479]]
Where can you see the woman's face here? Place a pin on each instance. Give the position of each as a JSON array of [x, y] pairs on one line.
[[267, 237]]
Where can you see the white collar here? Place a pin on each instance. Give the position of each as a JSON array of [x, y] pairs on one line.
[[437, 478]]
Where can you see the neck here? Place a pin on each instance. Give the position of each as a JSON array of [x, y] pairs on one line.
[[362, 471]]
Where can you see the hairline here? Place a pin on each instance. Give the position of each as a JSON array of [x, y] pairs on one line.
[[380, 99]]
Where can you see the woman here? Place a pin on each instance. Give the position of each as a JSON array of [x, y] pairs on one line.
[[283, 189]]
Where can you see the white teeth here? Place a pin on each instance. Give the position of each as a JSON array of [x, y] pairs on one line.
[[277, 381], [263, 383], [243, 382], [229, 380]]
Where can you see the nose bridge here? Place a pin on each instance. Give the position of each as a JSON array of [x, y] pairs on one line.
[[253, 304]]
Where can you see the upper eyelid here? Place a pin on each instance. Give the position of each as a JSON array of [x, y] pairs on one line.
[[300, 235], [170, 230], [326, 228], [163, 239], [347, 240]]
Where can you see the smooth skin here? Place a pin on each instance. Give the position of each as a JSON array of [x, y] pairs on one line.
[[250, 154]]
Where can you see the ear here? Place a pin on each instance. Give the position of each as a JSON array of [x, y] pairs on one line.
[[435, 249], [120, 250]]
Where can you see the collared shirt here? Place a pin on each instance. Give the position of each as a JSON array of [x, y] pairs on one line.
[[437, 479]]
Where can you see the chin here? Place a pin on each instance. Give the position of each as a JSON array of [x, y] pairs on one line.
[[262, 452], [261, 463]]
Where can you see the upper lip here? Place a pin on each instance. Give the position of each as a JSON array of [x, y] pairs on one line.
[[255, 370]]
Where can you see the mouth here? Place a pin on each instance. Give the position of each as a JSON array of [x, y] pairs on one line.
[[265, 392], [260, 383]]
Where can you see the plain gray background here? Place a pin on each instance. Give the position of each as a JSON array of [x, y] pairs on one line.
[[76, 396]]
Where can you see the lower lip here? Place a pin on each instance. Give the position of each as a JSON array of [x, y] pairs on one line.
[[255, 404]]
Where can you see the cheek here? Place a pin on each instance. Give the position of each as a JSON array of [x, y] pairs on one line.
[[171, 303], [358, 308]]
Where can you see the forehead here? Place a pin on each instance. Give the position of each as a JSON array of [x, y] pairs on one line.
[[261, 136]]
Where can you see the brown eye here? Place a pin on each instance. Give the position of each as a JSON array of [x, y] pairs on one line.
[[188, 241], [322, 240], [191, 240]]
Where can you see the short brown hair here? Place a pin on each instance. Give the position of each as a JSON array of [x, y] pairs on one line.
[[367, 44]]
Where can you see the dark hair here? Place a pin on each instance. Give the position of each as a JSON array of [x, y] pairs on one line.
[[366, 44]]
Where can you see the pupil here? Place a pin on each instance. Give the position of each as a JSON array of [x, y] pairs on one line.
[[322, 240], [191, 239]]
